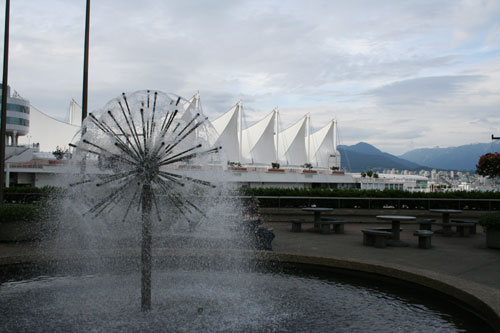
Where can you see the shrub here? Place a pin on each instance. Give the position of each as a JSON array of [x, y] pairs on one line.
[[21, 212], [29, 194], [490, 221]]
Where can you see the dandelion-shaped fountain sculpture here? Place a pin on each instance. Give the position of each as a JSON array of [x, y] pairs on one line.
[[142, 144]]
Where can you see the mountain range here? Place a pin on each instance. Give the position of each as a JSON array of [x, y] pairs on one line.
[[363, 156]]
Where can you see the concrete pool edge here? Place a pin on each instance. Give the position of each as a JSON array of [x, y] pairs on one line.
[[482, 299]]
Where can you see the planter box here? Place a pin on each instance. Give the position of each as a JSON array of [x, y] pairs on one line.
[[237, 169], [275, 170], [309, 171], [493, 238], [336, 172]]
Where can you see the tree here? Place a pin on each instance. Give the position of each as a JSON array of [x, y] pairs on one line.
[[489, 165], [369, 173], [59, 153]]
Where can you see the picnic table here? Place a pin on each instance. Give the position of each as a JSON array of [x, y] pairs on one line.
[[446, 219], [317, 214], [396, 225]]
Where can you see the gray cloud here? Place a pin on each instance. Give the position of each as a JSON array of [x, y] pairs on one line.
[[423, 90], [372, 64]]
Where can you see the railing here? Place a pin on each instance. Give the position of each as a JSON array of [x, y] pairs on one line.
[[379, 203], [333, 202]]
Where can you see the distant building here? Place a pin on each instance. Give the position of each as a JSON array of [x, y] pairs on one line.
[[304, 159], [18, 117]]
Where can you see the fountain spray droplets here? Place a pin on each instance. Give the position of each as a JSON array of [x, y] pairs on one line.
[[140, 145], [139, 141]]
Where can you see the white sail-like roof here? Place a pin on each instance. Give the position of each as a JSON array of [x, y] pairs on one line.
[[191, 108], [48, 132], [258, 141], [227, 128], [75, 113], [291, 144], [322, 146]]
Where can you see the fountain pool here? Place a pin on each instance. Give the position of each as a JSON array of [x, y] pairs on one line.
[[260, 297]]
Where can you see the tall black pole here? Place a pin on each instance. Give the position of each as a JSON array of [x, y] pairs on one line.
[[86, 63], [146, 248], [3, 118]]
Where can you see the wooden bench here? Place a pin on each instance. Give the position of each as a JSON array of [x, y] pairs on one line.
[[425, 224], [424, 238], [297, 224], [375, 238], [326, 223]]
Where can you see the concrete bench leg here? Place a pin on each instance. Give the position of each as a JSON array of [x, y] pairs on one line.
[[380, 242], [463, 231], [325, 228], [447, 231], [296, 226], [339, 228], [424, 242], [368, 240]]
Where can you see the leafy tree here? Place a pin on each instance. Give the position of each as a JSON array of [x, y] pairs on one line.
[[59, 153], [489, 165]]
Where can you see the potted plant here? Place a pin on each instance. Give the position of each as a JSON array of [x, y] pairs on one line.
[[308, 168], [275, 167], [491, 224], [235, 166], [335, 170]]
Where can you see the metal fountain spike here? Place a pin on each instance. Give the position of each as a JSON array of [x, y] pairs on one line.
[[143, 143]]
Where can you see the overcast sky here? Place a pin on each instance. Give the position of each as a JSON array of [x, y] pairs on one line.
[[396, 74]]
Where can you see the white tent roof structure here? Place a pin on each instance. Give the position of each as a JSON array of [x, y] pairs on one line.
[[48, 132], [191, 107], [75, 113], [322, 146], [227, 128], [258, 141], [291, 144], [257, 144]]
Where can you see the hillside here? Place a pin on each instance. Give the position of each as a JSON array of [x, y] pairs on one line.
[[363, 156], [463, 158]]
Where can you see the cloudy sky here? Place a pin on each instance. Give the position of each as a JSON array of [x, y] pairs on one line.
[[397, 74]]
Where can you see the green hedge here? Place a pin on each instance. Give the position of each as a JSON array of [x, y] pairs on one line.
[[295, 192], [490, 221], [29, 194], [22, 212]]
